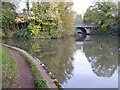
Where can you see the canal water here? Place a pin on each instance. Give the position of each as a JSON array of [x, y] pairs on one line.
[[81, 62]]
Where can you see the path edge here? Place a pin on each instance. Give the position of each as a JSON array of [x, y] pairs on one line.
[[52, 82]]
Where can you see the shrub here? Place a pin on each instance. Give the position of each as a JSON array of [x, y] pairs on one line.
[[23, 34]]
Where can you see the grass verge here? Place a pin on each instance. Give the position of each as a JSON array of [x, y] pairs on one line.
[[39, 81], [0, 67], [9, 68]]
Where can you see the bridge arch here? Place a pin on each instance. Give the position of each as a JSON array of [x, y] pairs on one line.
[[81, 30]]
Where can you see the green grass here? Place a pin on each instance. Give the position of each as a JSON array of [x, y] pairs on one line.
[[9, 68], [9, 65], [0, 68], [39, 81]]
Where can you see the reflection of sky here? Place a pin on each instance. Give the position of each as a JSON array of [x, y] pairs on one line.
[[83, 76]]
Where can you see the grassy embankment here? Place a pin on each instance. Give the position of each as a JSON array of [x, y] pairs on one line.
[[0, 67], [39, 81], [9, 68]]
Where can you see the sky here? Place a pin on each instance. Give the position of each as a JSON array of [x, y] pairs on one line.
[[80, 6]]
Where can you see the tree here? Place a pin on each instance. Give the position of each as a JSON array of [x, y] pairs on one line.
[[50, 19], [28, 6], [67, 17], [78, 18], [39, 13], [57, 18], [8, 18], [103, 14]]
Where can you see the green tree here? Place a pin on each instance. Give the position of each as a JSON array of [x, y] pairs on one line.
[[50, 19], [67, 17], [103, 14], [57, 18], [39, 15], [8, 18], [78, 18]]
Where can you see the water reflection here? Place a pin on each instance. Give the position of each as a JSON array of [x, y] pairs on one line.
[[81, 37], [57, 56], [103, 56], [77, 60]]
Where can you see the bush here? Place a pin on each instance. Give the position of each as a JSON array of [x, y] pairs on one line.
[[40, 83], [35, 29], [23, 34]]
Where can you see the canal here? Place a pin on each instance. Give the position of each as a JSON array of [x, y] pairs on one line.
[[81, 62]]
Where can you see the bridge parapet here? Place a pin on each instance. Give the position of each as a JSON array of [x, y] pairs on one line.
[[84, 29]]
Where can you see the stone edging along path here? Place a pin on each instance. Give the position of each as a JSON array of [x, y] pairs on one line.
[[52, 82]]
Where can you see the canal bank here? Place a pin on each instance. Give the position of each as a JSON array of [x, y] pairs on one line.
[[51, 81], [23, 77]]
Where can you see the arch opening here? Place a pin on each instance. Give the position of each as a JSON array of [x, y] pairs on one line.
[[81, 30]]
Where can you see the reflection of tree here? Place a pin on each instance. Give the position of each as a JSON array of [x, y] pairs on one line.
[[56, 55], [35, 48], [24, 44], [103, 56]]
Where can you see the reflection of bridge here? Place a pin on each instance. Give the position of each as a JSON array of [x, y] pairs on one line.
[[82, 37]]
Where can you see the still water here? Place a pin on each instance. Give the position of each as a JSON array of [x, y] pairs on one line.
[[82, 62]]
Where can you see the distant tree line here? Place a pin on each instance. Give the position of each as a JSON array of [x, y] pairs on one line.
[[44, 20], [56, 19], [105, 15]]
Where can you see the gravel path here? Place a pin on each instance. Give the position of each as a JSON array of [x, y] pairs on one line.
[[25, 78], [43, 72]]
